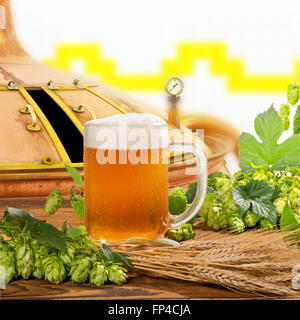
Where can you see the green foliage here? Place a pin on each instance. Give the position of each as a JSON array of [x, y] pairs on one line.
[[41, 251], [75, 175], [55, 199], [191, 192], [38, 229], [114, 256], [268, 127], [77, 203], [256, 195], [288, 222]]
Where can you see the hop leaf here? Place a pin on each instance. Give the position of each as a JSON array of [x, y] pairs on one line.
[[268, 127], [191, 192], [258, 196]]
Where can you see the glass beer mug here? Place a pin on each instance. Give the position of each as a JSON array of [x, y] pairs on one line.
[[126, 177]]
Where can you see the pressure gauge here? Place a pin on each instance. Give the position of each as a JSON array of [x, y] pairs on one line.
[[174, 86]]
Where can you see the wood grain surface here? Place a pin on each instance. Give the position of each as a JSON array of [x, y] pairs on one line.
[[138, 286]]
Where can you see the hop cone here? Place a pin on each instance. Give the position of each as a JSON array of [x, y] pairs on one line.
[[266, 224], [236, 224], [80, 269], [25, 260], [279, 204], [116, 274], [213, 217], [40, 252], [54, 202], [54, 269], [293, 93], [251, 219], [284, 113], [294, 197], [7, 261], [181, 233], [98, 274], [68, 256]]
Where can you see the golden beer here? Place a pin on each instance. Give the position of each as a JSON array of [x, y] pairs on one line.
[[126, 177], [125, 200]]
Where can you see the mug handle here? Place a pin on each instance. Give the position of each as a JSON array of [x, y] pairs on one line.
[[201, 185]]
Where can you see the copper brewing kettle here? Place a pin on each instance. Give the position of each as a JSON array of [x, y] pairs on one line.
[[42, 112]]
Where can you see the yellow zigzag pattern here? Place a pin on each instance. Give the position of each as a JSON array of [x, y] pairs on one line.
[[216, 54]]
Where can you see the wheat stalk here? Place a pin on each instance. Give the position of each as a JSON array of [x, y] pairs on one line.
[[255, 261]]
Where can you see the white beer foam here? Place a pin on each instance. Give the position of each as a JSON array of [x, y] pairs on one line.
[[127, 131]]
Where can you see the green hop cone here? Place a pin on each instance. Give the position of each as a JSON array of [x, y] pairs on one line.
[[54, 269], [284, 113], [293, 93], [177, 201], [266, 225], [80, 269], [191, 192], [209, 201], [251, 219], [181, 233], [236, 224], [213, 218], [24, 260], [54, 202], [279, 204], [294, 197], [7, 262], [223, 184], [223, 220], [40, 252], [98, 274], [116, 274], [68, 256]]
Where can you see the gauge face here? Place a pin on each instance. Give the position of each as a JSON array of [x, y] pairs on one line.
[[174, 86]]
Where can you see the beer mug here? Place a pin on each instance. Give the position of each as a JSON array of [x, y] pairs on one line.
[[126, 177]]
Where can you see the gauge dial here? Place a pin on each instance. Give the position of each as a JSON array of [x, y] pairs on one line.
[[174, 86]]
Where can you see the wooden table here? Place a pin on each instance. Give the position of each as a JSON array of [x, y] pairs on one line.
[[138, 286]]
